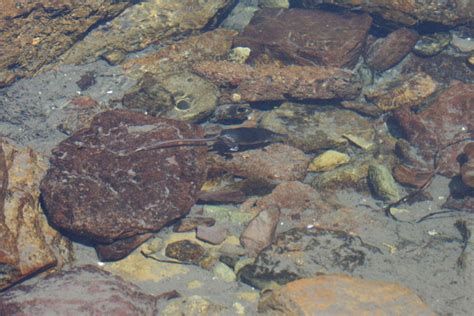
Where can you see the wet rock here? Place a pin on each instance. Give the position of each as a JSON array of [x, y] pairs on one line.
[[224, 273], [28, 244], [188, 224], [182, 54], [443, 67], [328, 160], [182, 96], [313, 128], [231, 113], [412, 176], [275, 162], [260, 231], [409, 12], [185, 251], [121, 248], [193, 305], [405, 92], [291, 256], [82, 290], [270, 83], [467, 169], [431, 45], [362, 108], [283, 4], [438, 126], [225, 214], [87, 80], [214, 235], [149, 96], [464, 45], [386, 52], [36, 31], [382, 183], [138, 27], [341, 294], [99, 189], [290, 36], [292, 195]]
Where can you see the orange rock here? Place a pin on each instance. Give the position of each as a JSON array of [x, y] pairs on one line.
[[342, 295], [28, 244]]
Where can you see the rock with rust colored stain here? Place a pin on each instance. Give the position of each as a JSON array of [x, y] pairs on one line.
[[306, 37], [270, 83], [386, 52], [35, 33], [85, 290], [342, 295], [440, 126], [405, 92], [28, 244], [98, 188]]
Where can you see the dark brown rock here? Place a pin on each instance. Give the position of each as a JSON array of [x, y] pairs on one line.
[[185, 251], [85, 290], [28, 245], [267, 83], [120, 248], [36, 32], [409, 12], [386, 52], [98, 188], [438, 127], [306, 37], [467, 169]]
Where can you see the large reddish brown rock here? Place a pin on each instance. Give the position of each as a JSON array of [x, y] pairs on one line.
[[306, 37], [242, 82], [386, 52], [100, 189], [409, 12], [85, 290], [28, 245], [438, 128], [34, 33], [342, 295]]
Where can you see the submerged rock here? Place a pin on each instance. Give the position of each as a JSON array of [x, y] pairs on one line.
[[342, 295], [306, 37], [100, 189], [313, 128], [382, 183], [409, 12], [36, 31], [142, 25], [337, 252], [82, 290], [386, 52], [28, 245], [270, 83], [431, 45], [260, 231], [438, 128]]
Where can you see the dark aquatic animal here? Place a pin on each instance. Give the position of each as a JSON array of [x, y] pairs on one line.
[[232, 139]]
